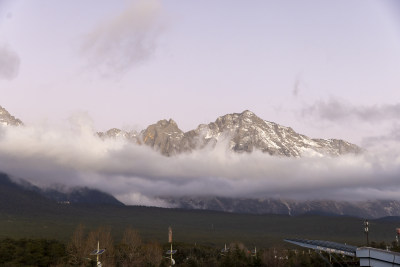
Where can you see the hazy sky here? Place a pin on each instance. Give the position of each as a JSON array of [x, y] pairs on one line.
[[320, 67], [328, 69]]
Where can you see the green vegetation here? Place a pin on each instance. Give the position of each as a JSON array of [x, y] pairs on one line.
[[132, 251], [31, 252], [26, 214], [192, 227], [29, 227], [35, 231]]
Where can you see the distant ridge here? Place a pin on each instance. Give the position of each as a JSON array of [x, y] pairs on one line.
[[361, 209], [16, 199], [26, 194]]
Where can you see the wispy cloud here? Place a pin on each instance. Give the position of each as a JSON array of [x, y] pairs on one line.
[[338, 110], [123, 41], [137, 174], [388, 139], [9, 63], [298, 85]]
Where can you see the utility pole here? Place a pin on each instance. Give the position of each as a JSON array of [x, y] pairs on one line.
[[397, 236], [170, 252], [97, 252], [366, 229]]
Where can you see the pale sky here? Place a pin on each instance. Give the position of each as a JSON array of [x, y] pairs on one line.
[[328, 69]]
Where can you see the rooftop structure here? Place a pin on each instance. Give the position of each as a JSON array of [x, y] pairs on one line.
[[368, 256], [377, 257], [327, 246]]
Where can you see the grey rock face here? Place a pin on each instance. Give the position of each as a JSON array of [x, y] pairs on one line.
[[164, 136], [247, 132], [243, 132], [7, 119]]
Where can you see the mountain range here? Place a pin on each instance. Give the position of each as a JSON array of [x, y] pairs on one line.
[[243, 132], [19, 194], [361, 209]]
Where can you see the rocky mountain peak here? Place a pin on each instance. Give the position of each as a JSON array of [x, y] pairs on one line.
[[244, 132], [7, 119], [167, 124], [247, 113], [235, 120], [114, 132], [164, 136]]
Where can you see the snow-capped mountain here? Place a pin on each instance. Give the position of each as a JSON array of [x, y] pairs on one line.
[[244, 132], [7, 119]]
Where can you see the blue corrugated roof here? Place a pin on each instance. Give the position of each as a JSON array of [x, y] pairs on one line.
[[328, 246]]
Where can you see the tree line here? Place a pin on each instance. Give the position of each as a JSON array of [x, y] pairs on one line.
[[131, 250]]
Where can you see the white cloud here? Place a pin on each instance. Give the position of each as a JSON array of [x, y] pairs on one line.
[[137, 174]]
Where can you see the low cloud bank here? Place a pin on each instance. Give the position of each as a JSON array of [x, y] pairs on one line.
[[137, 174]]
